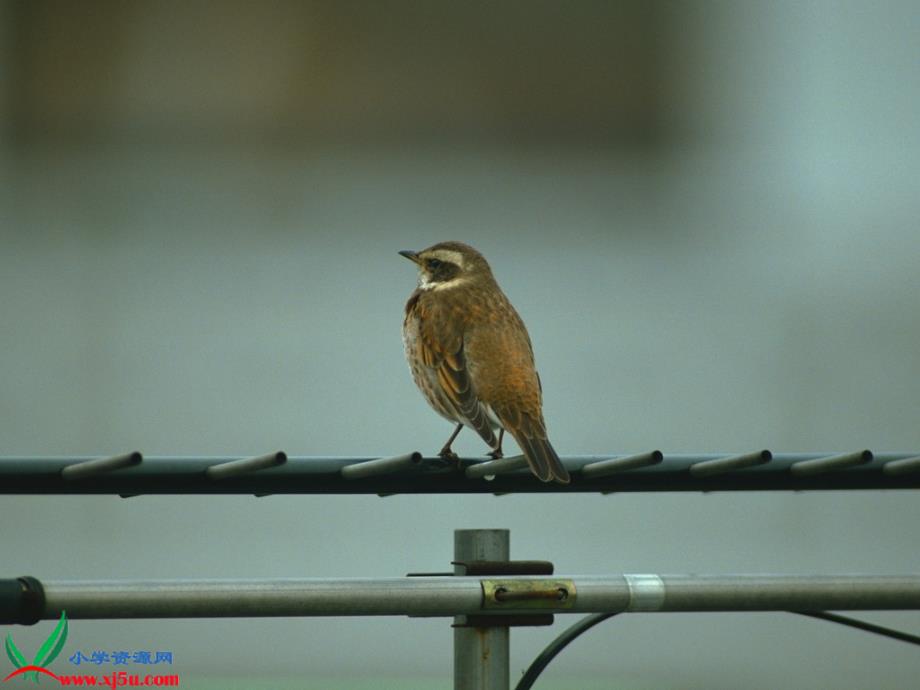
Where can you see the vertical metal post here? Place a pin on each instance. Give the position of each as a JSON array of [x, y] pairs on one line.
[[481, 658]]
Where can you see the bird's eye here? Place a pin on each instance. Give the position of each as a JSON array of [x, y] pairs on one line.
[[434, 264]]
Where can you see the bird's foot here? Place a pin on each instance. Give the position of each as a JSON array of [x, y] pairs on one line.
[[452, 459], [447, 453], [497, 453]]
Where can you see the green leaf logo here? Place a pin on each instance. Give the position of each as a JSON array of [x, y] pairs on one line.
[[13, 653], [47, 653]]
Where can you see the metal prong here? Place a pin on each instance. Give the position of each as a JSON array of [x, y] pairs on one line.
[[614, 465], [493, 467], [374, 468], [89, 468], [902, 466], [736, 462], [234, 468], [829, 464]]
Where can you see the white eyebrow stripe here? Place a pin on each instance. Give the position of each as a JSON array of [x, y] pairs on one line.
[[448, 255]]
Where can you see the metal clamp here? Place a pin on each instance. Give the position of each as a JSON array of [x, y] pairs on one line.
[[528, 594]]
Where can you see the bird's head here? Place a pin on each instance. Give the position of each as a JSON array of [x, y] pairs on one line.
[[447, 265]]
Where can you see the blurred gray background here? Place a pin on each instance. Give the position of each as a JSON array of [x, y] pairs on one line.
[[707, 214]]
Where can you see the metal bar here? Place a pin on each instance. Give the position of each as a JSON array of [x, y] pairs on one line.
[[235, 468], [707, 468], [904, 466], [462, 595], [603, 468], [831, 464], [416, 596], [323, 475], [492, 468], [771, 593], [375, 468], [481, 655], [89, 468]]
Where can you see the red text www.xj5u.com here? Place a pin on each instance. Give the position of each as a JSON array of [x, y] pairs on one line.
[[122, 679], [116, 679]]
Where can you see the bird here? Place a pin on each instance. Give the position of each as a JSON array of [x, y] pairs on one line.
[[471, 356]]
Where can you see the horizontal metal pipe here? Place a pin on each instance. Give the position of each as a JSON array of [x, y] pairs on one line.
[[234, 468], [831, 464], [380, 466], [603, 468], [416, 596], [790, 592], [459, 595], [496, 467], [738, 462], [904, 466], [89, 468], [324, 475]]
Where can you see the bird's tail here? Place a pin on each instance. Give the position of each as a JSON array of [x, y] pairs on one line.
[[542, 458]]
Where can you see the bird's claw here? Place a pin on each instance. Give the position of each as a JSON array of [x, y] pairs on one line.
[[452, 459]]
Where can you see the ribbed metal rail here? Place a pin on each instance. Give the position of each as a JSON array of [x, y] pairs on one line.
[[133, 474]]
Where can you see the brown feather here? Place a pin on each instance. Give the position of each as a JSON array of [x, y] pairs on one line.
[[530, 435]]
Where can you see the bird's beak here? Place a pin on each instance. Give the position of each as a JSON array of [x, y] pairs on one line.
[[409, 254]]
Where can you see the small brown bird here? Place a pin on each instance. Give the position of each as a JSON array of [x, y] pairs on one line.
[[471, 357]]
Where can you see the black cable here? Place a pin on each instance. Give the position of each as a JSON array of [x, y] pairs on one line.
[[569, 634], [862, 625], [556, 646]]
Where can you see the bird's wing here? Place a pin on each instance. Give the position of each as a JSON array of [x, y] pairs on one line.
[[445, 355]]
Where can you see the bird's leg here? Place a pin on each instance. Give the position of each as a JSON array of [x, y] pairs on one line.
[[446, 452], [497, 453]]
